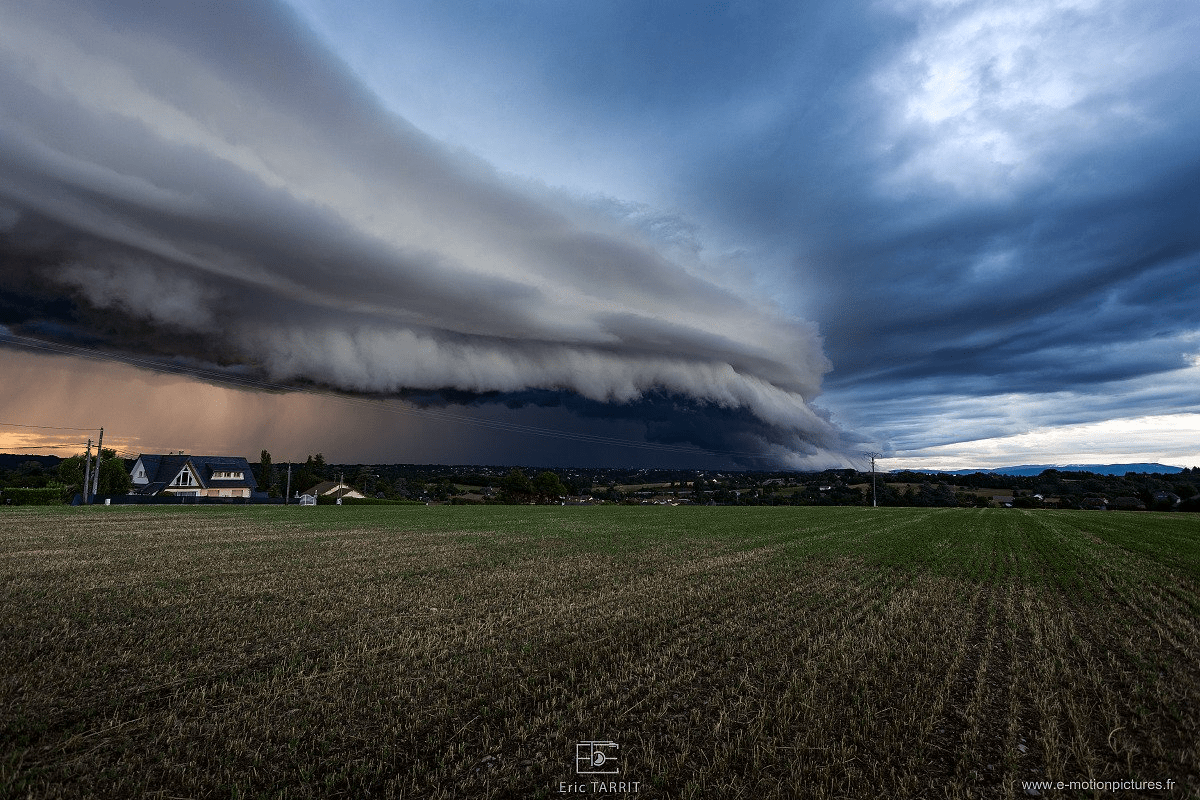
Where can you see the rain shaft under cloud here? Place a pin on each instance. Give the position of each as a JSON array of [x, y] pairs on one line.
[[202, 182]]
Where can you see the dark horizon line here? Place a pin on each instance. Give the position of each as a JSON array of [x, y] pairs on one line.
[[1082, 468]]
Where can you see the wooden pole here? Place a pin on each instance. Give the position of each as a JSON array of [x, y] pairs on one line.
[[96, 474], [87, 473]]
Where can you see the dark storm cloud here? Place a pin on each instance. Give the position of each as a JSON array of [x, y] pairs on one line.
[[988, 208], [200, 181], [975, 200], [1004, 204]]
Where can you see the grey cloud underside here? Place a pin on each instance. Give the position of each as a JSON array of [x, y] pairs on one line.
[[989, 206], [206, 184], [1090, 294], [1069, 263]]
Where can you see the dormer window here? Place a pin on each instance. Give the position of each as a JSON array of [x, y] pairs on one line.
[[227, 475]]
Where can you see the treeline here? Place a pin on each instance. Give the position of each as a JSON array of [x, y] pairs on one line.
[[49, 480], [420, 482], [490, 484], [1052, 488], [1067, 489]]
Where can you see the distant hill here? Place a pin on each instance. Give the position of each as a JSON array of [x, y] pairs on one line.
[[11, 461], [1038, 469]]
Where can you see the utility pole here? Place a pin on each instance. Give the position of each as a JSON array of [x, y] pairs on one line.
[[873, 456], [96, 474], [87, 473], [288, 493]]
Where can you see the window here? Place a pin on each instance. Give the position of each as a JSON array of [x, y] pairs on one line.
[[227, 475], [184, 479]]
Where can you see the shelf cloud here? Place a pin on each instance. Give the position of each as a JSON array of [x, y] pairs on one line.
[[204, 183]]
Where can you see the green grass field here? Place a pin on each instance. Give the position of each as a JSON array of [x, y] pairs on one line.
[[463, 652]]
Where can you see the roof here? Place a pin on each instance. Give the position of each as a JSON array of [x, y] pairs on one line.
[[333, 489], [162, 469]]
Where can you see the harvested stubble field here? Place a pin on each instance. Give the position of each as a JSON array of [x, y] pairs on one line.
[[464, 651]]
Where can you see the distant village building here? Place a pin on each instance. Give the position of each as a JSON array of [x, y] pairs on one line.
[[1128, 504], [334, 489], [192, 476], [1167, 499]]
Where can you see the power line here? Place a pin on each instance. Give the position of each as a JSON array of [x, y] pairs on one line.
[[42, 446], [254, 383], [46, 427]]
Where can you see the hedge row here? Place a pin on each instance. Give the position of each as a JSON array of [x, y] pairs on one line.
[[16, 496], [376, 501]]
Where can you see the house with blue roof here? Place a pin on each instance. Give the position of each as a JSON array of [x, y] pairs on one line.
[[193, 476]]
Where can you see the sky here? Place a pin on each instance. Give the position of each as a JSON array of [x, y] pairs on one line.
[[958, 234]]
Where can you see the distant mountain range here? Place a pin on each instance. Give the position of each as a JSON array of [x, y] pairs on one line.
[[1038, 469]]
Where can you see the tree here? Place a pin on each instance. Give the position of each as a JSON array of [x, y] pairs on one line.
[[70, 472], [30, 474], [267, 476], [578, 485], [515, 487], [113, 477], [305, 477], [364, 480], [548, 487], [442, 489]]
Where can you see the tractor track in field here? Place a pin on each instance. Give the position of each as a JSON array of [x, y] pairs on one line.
[[947, 724]]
